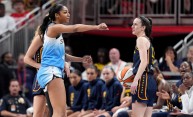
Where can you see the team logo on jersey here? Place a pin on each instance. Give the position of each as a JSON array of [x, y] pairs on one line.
[[71, 98], [61, 41], [104, 94], [88, 92], [127, 91]]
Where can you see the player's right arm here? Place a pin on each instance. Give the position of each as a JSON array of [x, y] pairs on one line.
[[54, 30], [34, 46]]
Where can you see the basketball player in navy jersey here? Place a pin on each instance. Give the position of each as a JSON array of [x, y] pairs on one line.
[[34, 51], [143, 88]]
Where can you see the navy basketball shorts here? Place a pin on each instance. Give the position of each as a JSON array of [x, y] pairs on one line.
[[146, 90]]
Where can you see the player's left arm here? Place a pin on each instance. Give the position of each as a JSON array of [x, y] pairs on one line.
[[86, 58], [70, 58]]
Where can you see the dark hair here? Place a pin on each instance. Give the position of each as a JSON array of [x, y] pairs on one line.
[[49, 18], [189, 63], [76, 72], [171, 48], [147, 22], [94, 67], [13, 80], [191, 74], [17, 1], [3, 56], [103, 50], [110, 67], [2, 6]]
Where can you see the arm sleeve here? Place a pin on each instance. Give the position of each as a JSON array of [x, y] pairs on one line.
[[187, 103], [85, 98], [98, 103], [191, 104], [104, 97], [68, 97]]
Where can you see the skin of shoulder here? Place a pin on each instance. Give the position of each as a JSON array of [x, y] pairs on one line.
[[143, 41]]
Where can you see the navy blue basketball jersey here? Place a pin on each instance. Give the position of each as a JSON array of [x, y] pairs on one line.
[[38, 55], [136, 59], [36, 87]]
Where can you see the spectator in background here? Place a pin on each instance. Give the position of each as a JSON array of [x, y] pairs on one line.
[[7, 22], [189, 56], [19, 11], [184, 67], [8, 62], [175, 99], [84, 74], [94, 91], [115, 62], [101, 59], [31, 4], [187, 6], [12, 104], [25, 77], [186, 90], [125, 103], [161, 83], [170, 61], [111, 93], [77, 94], [6, 72], [175, 96], [8, 6]]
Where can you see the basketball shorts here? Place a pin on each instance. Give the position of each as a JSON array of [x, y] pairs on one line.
[[36, 89], [46, 74], [146, 90]]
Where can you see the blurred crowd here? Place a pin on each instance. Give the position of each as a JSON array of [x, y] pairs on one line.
[[93, 89], [13, 11], [145, 6]]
